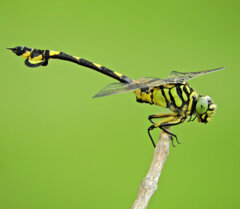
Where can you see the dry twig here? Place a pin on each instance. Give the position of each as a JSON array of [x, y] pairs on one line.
[[149, 183]]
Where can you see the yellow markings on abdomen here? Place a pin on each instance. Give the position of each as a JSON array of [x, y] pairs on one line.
[[177, 99], [97, 65], [26, 54], [78, 58], [36, 60], [52, 53], [118, 74], [158, 98]]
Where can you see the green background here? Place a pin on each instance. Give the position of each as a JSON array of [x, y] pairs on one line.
[[61, 149]]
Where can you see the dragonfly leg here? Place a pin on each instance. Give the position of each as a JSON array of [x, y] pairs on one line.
[[168, 118], [161, 115], [172, 141], [172, 120], [178, 120], [149, 134], [171, 135]]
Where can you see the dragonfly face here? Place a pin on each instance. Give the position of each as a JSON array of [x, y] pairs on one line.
[[205, 108]]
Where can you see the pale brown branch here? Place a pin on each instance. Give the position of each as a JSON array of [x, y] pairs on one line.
[[149, 183]]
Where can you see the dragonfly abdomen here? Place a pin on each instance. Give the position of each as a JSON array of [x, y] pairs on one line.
[[37, 57]]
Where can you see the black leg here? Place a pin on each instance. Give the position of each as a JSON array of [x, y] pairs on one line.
[[171, 135], [171, 120], [172, 140], [149, 129]]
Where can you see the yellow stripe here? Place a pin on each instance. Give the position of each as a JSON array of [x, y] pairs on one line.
[[171, 120], [188, 89], [143, 95], [97, 65], [36, 60], [191, 99], [78, 58], [159, 98], [26, 54], [190, 104], [52, 53], [137, 93], [118, 74], [177, 99], [166, 92], [146, 97], [184, 108], [184, 94]]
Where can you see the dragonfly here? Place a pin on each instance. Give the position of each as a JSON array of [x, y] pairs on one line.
[[173, 92]]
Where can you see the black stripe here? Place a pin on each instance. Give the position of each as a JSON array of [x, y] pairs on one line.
[[172, 99], [179, 92], [186, 91], [151, 92], [193, 108], [163, 93], [36, 52], [111, 73], [46, 55]]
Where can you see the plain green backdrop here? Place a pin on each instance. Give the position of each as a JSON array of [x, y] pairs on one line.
[[61, 149]]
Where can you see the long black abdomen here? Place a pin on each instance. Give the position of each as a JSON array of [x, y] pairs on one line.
[[38, 57], [88, 64]]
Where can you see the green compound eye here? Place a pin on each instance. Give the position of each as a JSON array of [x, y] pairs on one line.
[[202, 105]]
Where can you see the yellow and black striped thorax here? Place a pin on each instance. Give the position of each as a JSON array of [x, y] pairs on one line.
[[177, 97]]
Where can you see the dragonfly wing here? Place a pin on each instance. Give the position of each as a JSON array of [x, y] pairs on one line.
[[174, 77], [118, 88], [177, 77], [112, 88]]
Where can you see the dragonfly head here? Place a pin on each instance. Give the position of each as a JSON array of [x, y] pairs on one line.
[[205, 108], [21, 51]]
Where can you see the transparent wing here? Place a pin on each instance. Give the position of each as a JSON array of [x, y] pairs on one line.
[[174, 77], [110, 89], [177, 77], [118, 88]]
